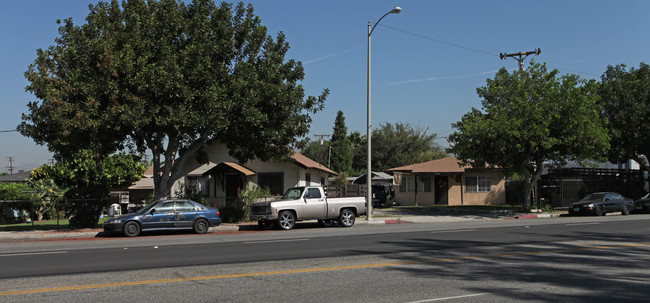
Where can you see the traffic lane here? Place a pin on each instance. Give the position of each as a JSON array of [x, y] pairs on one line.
[[308, 230], [413, 244], [591, 274]]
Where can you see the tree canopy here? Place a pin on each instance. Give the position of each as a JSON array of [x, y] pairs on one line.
[[529, 118], [625, 101], [401, 144], [169, 77]]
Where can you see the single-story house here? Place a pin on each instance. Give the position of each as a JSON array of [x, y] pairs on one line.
[[222, 179], [446, 182]]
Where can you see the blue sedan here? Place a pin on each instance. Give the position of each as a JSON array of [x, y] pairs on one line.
[[166, 215]]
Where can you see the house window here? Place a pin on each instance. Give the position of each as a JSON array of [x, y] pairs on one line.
[[198, 184], [273, 181], [322, 181], [408, 184], [477, 184], [307, 179]]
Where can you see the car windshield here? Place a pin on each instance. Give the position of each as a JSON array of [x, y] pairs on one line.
[[591, 197], [293, 193]]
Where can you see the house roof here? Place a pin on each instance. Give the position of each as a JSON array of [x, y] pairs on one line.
[[229, 166], [305, 162], [376, 176], [444, 165], [17, 177], [144, 183]]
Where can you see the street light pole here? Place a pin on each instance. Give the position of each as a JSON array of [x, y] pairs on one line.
[[395, 10]]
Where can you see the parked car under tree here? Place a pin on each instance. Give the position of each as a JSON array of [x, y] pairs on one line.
[[166, 215], [602, 203]]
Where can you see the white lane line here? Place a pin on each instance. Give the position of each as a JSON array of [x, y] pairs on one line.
[[589, 223], [274, 241], [451, 231], [35, 253], [450, 298]]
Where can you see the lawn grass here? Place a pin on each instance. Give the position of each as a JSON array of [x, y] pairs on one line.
[[63, 224]]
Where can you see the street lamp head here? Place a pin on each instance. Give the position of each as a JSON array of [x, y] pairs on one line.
[[396, 10]]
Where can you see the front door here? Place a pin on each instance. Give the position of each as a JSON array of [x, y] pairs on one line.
[[442, 189], [233, 188], [314, 205], [161, 216]]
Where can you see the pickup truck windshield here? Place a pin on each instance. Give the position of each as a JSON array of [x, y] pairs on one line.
[[293, 194]]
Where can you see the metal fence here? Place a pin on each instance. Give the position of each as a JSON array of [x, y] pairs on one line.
[[561, 187]]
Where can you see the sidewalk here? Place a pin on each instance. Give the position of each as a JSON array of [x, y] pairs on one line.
[[380, 217]]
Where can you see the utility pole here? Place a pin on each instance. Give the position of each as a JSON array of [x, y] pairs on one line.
[[11, 165], [320, 160], [521, 55]]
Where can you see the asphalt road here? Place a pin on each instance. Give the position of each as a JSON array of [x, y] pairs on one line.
[[587, 259]]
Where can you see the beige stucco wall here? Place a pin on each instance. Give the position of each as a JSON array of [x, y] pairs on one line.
[[293, 174], [456, 195]]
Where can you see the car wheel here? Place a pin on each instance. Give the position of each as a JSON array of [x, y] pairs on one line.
[[286, 220], [326, 222], [626, 210], [346, 218], [132, 229], [201, 226], [600, 211]]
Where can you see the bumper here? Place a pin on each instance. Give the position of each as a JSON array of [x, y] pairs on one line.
[[258, 217], [113, 227]]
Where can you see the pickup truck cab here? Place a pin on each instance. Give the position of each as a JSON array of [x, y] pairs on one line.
[[308, 203]]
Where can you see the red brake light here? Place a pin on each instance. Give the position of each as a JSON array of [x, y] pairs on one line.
[[217, 213]]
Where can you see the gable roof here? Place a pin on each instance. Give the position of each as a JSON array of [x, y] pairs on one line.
[[22, 176], [444, 165], [305, 162]]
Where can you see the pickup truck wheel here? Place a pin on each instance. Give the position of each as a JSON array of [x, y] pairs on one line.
[[326, 222], [346, 218], [286, 220]]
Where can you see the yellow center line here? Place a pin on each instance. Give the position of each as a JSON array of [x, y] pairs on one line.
[[305, 270]]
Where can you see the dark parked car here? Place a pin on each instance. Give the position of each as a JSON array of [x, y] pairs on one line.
[[166, 215], [643, 204], [602, 203], [380, 196]]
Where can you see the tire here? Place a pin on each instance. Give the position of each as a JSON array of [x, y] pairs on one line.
[[132, 229], [347, 217], [626, 210], [600, 211], [201, 226], [286, 220], [326, 222]]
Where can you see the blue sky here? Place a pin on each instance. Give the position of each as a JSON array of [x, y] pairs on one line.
[[426, 61]]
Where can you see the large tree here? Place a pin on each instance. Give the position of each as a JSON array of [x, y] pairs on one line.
[[170, 77], [400, 144], [529, 118], [340, 145], [625, 101]]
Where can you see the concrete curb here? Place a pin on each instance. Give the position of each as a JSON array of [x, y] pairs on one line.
[[51, 235]]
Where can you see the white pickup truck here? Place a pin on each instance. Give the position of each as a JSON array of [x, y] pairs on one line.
[[308, 203]]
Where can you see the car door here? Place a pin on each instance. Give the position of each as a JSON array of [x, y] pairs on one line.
[[314, 206], [186, 213], [161, 216], [610, 203]]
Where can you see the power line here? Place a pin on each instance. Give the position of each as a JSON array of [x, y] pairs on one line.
[[470, 48], [441, 41], [8, 131]]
